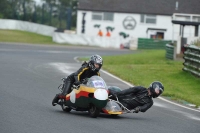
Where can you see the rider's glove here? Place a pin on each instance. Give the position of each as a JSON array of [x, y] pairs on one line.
[[137, 109], [84, 81], [115, 94], [76, 84]]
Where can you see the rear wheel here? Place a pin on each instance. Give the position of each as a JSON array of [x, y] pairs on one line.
[[93, 111]]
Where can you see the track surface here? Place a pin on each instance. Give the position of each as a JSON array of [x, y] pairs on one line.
[[29, 77]]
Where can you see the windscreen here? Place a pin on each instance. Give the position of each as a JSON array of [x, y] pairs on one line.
[[97, 82]]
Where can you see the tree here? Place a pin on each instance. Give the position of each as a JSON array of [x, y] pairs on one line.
[[52, 12], [5, 9], [64, 10]]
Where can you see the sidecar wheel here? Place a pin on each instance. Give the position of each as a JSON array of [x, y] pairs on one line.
[[114, 115], [93, 111]]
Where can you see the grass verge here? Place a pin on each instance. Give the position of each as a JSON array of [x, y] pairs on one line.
[[24, 37]]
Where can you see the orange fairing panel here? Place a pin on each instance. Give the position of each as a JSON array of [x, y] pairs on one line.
[[82, 91]]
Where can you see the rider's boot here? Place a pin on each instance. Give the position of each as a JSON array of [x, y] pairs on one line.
[[56, 99], [66, 90]]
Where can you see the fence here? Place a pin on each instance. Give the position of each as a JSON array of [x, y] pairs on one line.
[[192, 60], [144, 43], [170, 52]]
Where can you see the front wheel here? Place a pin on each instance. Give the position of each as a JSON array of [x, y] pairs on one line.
[[93, 111], [65, 108]]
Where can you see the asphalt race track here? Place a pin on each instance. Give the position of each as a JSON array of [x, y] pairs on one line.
[[30, 75]]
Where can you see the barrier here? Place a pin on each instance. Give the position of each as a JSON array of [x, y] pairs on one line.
[[170, 52], [26, 26], [106, 42], [192, 60], [144, 43]]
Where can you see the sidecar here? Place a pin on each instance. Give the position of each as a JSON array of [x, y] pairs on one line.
[[91, 97], [113, 107]]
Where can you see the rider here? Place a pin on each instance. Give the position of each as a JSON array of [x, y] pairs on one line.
[[87, 70], [139, 98]]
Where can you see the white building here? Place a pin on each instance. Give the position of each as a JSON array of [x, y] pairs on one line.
[[126, 19], [135, 25]]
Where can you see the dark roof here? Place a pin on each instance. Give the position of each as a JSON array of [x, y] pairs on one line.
[[186, 23], [162, 7], [155, 29]]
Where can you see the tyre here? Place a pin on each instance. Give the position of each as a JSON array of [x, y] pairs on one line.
[[114, 115], [66, 108], [93, 111]]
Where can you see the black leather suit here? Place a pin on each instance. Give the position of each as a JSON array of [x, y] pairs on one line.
[[83, 73], [135, 97]]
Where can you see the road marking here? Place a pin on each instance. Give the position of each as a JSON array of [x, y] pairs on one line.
[[191, 116], [178, 104], [41, 51], [63, 67]]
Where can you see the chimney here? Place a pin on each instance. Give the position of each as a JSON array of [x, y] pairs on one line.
[[176, 5]]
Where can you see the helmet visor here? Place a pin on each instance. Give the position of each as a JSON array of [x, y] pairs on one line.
[[96, 65], [98, 61], [158, 91]]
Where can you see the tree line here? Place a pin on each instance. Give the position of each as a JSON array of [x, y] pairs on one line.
[[56, 13]]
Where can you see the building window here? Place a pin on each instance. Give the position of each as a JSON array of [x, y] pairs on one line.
[[157, 35], [108, 16], [149, 19], [97, 16], [102, 16], [196, 19], [182, 18]]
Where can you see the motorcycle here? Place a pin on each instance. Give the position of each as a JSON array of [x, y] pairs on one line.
[[93, 96]]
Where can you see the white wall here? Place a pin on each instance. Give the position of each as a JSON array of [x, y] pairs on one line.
[[86, 40], [26, 26]]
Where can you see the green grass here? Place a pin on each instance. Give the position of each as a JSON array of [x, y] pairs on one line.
[[146, 66], [24, 37]]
